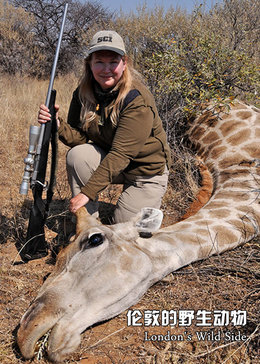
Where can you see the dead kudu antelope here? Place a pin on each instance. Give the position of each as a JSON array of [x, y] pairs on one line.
[[108, 268]]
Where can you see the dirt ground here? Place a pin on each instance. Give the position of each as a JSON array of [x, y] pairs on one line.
[[228, 282]]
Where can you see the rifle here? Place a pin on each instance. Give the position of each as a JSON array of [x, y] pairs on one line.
[[35, 170]]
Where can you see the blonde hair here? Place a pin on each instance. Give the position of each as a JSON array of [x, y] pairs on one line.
[[87, 98]]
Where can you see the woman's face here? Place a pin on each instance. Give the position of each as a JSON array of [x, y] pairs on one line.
[[107, 68]]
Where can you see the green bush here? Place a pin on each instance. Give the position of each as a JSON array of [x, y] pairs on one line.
[[191, 59]]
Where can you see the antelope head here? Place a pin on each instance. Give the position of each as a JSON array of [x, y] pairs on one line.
[[100, 274]]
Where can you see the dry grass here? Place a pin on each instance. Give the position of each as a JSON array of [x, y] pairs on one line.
[[226, 282]]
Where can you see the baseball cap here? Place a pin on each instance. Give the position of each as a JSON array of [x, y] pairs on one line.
[[107, 40]]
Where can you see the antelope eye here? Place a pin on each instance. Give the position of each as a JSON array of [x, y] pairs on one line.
[[92, 241], [96, 239]]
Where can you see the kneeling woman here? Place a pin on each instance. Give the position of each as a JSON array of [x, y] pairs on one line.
[[115, 133]]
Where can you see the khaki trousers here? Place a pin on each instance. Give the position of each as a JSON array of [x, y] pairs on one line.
[[138, 191]]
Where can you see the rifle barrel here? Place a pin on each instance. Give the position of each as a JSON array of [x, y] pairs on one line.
[[56, 57], [39, 146]]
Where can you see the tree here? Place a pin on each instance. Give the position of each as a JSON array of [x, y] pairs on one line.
[[17, 51], [48, 14], [240, 20]]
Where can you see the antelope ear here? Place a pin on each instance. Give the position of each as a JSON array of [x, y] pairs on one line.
[[84, 220], [149, 220]]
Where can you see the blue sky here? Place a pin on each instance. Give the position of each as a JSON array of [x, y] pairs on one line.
[[130, 5]]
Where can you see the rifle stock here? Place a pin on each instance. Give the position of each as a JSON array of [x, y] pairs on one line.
[[36, 246]]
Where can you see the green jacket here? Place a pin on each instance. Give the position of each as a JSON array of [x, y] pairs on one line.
[[137, 145]]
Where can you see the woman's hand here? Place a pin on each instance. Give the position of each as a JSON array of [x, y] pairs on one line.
[[78, 201], [44, 114]]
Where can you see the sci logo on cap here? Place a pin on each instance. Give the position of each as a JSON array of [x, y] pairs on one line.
[[104, 39]]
